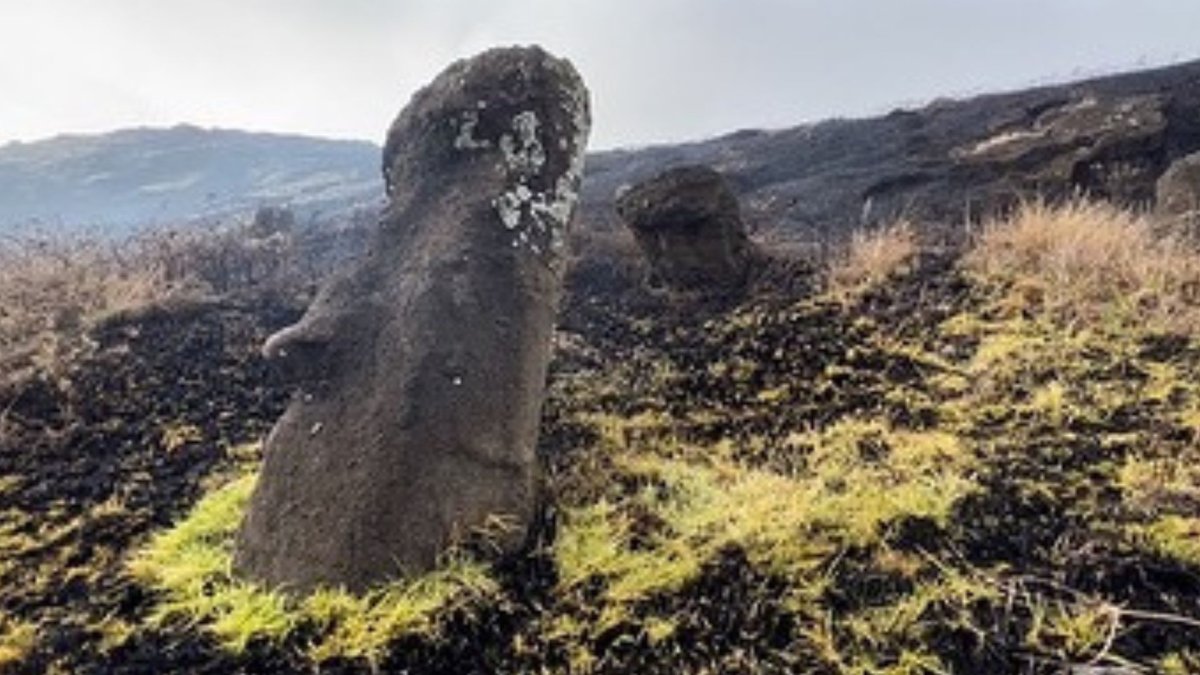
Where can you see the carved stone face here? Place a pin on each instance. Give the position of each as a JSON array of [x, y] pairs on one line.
[[422, 368]]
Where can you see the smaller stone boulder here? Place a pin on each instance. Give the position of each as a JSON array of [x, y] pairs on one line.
[[1177, 192], [688, 224]]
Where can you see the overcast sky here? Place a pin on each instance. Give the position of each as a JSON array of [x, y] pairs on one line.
[[658, 70]]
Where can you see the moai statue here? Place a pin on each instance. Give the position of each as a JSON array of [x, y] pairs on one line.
[[422, 370]]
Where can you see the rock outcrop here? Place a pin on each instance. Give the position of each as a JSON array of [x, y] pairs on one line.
[[1108, 148], [1178, 192], [688, 224], [422, 368]]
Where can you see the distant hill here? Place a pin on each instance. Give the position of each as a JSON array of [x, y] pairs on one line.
[[120, 181], [1110, 137]]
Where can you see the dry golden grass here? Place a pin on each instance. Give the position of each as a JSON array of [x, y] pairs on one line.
[[1090, 261], [53, 291], [871, 258]]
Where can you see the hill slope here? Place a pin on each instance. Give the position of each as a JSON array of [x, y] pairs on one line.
[[126, 179], [1110, 137]]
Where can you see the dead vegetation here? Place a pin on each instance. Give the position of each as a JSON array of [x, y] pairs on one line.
[[54, 291], [1085, 262], [871, 257], [51, 291]]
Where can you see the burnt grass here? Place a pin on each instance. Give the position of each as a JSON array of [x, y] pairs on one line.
[[95, 434], [148, 418]]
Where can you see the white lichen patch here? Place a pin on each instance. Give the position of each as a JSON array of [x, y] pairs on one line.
[[557, 210], [523, 151], [537, 219], [509, 206], [466, 133]]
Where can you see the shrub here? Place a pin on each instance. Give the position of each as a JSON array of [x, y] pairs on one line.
[[51, 291], [54, 290]]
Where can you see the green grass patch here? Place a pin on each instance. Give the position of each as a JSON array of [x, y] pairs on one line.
[[191, 567], [1173, 536], [858, 479]]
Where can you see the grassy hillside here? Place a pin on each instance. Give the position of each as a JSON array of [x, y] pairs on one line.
[[912, 461]]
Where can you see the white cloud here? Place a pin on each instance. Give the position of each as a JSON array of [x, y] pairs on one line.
[[659, 70]]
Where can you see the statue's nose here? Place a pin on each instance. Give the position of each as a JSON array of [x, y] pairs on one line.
[[300, 352]]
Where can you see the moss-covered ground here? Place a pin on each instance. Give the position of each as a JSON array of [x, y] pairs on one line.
[[953, 468]]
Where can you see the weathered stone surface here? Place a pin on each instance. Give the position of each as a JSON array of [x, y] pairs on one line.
[[1102, 147], [688, 223], [422, 368], [1178, 190]]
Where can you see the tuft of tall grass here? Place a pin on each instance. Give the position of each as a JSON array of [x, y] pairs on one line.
[[1085, 261], [871, 258]]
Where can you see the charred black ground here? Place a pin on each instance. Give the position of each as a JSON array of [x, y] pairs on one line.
[[1038, 565]]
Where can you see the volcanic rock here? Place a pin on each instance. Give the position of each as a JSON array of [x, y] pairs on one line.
[[687, 222], [422, 368], [1178, 190], [1102, 147]]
